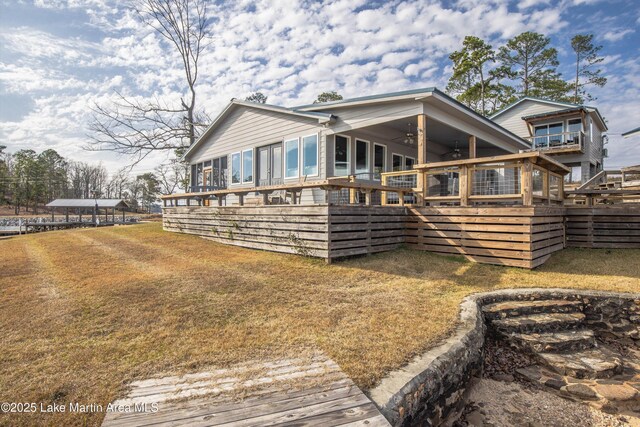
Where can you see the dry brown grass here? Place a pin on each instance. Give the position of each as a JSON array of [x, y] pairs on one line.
[[84, 312]]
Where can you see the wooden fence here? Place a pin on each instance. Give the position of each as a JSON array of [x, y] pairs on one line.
[[517, 236], [615, 226]]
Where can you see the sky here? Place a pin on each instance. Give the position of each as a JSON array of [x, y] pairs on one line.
[[59, 58]]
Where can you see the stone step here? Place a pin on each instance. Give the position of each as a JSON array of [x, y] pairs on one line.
[[544, 322], [501, 310], [590, 363], [555, 342]]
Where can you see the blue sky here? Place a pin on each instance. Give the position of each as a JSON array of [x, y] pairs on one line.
[[58, 58]]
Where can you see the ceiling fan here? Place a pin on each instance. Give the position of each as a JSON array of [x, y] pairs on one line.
[[408, 138], [455, 154]]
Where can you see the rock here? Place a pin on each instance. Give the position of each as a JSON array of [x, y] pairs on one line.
[[556, 383], [475, 419], [530, 373], [507, 378], [581, 391], [616, 392]]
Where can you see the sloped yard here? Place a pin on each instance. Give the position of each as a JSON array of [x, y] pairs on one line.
[[84, 312]]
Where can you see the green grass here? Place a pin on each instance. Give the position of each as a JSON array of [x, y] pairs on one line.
[[84, 312]]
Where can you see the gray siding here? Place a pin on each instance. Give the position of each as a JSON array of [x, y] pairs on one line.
[[512, 119], [246, 128]]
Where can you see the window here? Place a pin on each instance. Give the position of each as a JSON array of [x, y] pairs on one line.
[[379, 160], [310, 155], [362, 156], [194, 176], [291, 157], [397, 162], [247, 166], [199, 174], [342, 156], [548, 135], [223, 172], [235, 168], [409, 162]]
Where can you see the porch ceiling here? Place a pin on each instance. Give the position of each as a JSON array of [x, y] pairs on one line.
[[441, 137]]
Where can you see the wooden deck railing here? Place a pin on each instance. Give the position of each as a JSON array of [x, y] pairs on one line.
[[525, 178], [290, 191]]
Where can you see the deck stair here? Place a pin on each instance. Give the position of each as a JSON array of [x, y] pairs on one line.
[[555, 333]]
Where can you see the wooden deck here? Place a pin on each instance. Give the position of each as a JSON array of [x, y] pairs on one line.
[[300, 392], [605, 227]]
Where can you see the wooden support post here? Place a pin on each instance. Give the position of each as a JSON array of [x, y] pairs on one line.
[[241, 199], [464, 185], [113, 215], [265, 198], [219, 200], [546, 186], [327, 195], [422, 157], [527, 183], [53, 214], [472, 147], [401, 199], [66, 214], [188, 201], [353, 195], [367, 197], [383, 194], [123, 218]]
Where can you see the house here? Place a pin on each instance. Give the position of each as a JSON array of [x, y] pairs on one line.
[[368, 174], [260, 145], [573, 134]]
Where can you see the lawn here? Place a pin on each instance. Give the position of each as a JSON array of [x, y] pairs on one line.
[[84, 312]]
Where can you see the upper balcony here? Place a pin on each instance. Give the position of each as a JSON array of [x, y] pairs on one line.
[[559, 143]]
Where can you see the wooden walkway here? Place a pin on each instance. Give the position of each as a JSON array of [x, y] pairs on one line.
[[310, 392]]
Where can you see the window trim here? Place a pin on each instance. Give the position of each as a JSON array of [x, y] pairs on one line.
[[402, 164], [384, 158], [301, 163], [253, 171], [239, 153], [348, 138], [355, 163], [286, 158]]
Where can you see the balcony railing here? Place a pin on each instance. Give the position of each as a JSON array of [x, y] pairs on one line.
[[558, 141]]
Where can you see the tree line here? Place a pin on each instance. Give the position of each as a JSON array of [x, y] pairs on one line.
[[487, 79], [30, 180]]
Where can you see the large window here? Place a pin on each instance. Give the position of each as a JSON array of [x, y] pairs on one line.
[[291, 159], [219, 172], [310, 155], [235, 168], [247, 166], [342, 156], [548, 135], [379, 160], [397, 162], [362, 156]]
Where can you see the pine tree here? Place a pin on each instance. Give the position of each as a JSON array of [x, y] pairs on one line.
[[586, 60]]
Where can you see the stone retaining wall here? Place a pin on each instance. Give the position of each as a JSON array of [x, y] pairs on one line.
[[430, 390]]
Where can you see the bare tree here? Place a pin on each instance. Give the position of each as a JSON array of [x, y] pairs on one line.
[[137, 127], [170, 176]]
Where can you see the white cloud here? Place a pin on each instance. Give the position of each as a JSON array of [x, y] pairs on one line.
[[289, 49], [615, 35]]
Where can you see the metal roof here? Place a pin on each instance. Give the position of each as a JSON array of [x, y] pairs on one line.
[[569, 106], [324, 105], [88, 203], [632, 132], [554, 113]]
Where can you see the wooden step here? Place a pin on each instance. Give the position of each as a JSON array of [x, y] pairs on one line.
[[556, 342], [542, 322], [501, 310], [589, 363]]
